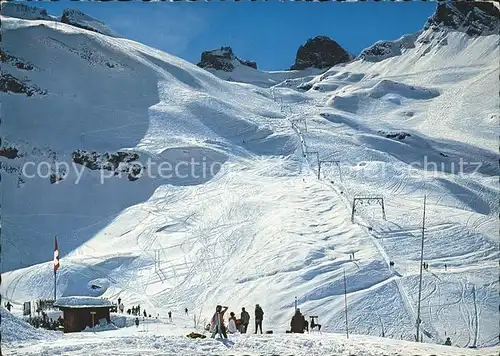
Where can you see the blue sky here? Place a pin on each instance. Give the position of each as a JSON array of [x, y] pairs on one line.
[[266, 32]]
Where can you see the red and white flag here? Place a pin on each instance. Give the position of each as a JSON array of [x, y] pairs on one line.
[[56, 256]]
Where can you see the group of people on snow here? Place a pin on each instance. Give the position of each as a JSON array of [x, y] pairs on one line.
[[217, 326], [135, 310]]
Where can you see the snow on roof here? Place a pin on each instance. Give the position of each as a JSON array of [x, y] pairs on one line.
[[82, 302]]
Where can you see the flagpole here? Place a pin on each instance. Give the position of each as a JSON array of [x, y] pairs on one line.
[[56, 266], [55, 283]]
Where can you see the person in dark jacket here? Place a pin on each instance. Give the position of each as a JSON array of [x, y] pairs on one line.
[[259, 316], [137, 322], [144, 313], [448, 342], [245, 320], [298, 323]]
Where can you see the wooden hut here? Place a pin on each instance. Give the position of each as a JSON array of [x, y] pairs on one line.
[[80, 312]]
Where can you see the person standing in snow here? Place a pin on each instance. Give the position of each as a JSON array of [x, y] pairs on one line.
[[119, 301], [8, 306], [170, 316], [217, 323], [137, 321], [448, 342], [122, 307], [245, 320], [144, 313], [231, 325], [259, 316], [186, 310]]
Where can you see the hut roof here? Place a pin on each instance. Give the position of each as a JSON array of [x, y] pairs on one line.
[[82, 302]]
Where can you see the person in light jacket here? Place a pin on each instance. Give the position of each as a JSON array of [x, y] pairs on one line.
[[217, 323], [231, 325]]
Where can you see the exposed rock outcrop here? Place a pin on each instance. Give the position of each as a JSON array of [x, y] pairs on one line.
[[474, 18], [9, 83], [79, 19], [119, 162], [223, 59], [26, 12], [320, 52]]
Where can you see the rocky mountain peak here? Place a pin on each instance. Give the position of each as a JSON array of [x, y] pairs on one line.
[[222, 59], [80, 19], [320, 52], [474, 18]]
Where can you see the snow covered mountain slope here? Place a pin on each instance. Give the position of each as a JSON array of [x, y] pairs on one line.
[[260, 228], [128, 98]]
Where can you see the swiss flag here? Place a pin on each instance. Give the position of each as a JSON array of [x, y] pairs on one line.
[[56, 256]]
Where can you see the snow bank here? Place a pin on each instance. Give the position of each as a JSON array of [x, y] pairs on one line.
[[15, 330], [386, 86], [82, 302], [103, 326]]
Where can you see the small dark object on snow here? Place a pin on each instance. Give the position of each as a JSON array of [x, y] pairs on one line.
[[269, 331], [194, 335], [391, 263]]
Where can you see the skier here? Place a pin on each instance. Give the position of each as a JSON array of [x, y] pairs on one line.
[[259, 316], [245, 320], [8, 306], [186, 310], [217, 323], [447, 342], [119, 301], [138, 309], [170, 316], [445, 267], [133, 310], [129, 311], [144, 313], [297, 325], [231, 325], [137, 321], [122, 307]]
